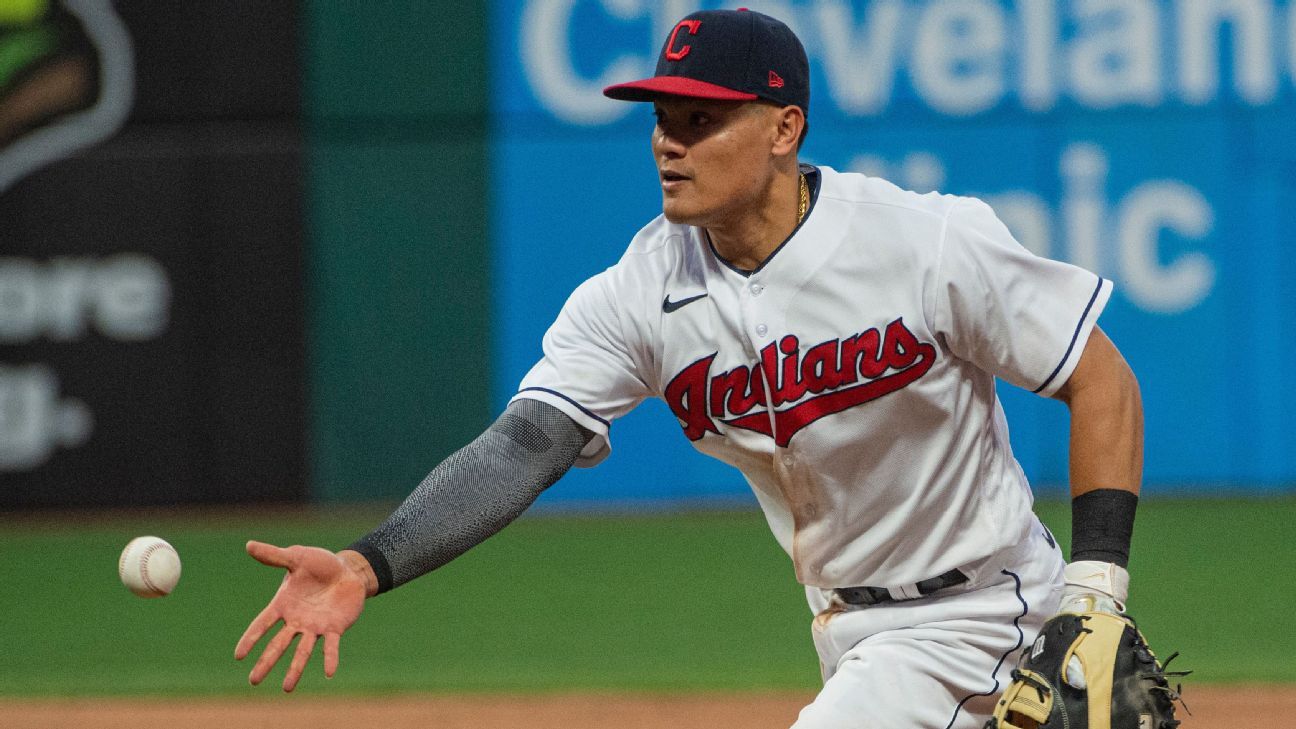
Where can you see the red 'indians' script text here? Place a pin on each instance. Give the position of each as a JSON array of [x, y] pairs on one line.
[[830, 377]]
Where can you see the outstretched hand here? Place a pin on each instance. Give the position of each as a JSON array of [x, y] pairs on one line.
[[322, 595]]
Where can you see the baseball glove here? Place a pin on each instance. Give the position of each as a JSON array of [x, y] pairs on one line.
[[1088, 671]]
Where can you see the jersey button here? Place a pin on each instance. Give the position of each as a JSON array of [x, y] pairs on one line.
[[762, 330], [756, 289]]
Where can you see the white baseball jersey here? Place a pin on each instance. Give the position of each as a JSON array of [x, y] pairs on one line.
[[851, 378]]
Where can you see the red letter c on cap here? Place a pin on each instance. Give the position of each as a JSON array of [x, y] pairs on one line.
[[671, 53]]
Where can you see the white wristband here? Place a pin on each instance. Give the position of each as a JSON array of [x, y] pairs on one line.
[[1104, 578]]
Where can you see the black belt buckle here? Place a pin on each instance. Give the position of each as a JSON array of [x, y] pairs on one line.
[[876, 595]]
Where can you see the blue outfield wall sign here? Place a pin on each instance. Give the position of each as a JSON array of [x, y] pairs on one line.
[[1152, 142]]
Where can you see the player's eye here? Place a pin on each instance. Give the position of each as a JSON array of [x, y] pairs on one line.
[[699, 118]]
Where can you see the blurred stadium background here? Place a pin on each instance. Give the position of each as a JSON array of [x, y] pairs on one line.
[[264, 264]]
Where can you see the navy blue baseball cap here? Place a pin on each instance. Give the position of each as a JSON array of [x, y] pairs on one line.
[[733, 55]]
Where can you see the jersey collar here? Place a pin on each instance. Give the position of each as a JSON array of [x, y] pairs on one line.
[[813, 178]]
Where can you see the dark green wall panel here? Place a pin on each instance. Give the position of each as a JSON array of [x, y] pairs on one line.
[[389, 59], [399, 285]]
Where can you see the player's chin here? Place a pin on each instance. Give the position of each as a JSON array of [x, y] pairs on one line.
[[680, 212]]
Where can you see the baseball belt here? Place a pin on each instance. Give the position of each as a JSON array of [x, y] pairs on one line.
[[876, 595]]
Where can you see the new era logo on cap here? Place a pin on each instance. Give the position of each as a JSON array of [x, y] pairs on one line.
[[727, 55]]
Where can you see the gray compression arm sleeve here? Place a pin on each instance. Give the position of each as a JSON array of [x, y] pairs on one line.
[[475, 492]]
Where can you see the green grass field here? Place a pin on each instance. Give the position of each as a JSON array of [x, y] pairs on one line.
[[661, 602]]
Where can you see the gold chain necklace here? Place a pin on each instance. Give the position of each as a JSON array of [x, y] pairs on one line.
[[805, 199]]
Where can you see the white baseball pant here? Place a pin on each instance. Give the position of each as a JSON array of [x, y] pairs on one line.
[[940, 661]]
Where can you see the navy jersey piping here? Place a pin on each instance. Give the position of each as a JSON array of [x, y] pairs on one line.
[[1021, 639], [813, 179], [580, 407], [1074, 336]]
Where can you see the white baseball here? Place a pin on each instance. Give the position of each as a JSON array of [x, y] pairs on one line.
[[149, 567]]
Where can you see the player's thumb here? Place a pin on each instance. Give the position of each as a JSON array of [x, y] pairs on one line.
[[269, 554]]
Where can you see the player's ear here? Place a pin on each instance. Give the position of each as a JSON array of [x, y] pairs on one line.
[[790, 121]]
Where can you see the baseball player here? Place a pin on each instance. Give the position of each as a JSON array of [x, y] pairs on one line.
[[837, 340]]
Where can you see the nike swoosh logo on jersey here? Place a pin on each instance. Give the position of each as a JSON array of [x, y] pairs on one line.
[[668, 306]]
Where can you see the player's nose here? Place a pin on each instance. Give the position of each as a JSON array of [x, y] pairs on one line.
[[666, 146]]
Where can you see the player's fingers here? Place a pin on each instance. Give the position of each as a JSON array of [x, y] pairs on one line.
[[269, 554], [332, 643], [273, 650], [257, 628], [305, 645]]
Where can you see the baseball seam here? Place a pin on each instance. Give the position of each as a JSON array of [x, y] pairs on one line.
[[144, 560]]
